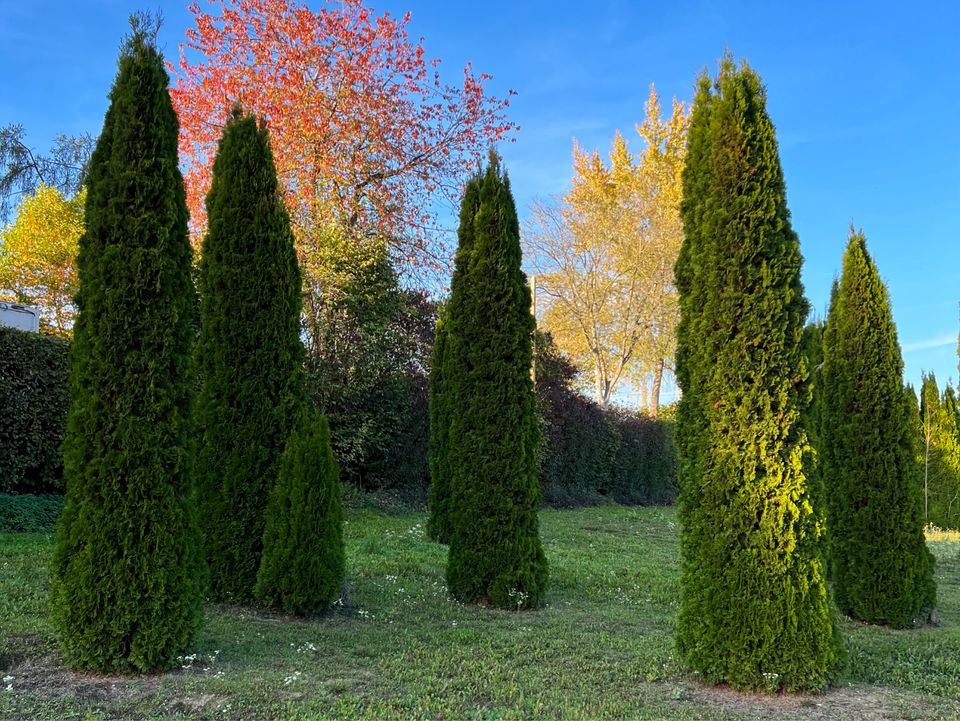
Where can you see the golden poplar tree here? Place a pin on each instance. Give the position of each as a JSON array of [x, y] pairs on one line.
[[604, 256]]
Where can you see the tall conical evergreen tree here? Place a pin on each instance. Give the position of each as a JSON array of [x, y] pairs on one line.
[[440, 520], [495, 551], [249, 353], [879, 563], [303, 562], [754, 611], [126, 591]]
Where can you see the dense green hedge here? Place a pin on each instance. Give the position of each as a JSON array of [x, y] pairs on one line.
[[29, 513], [591, 455], [34, 397]]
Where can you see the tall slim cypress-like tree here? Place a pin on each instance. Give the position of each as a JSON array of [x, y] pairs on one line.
[[754, 611], [880, 567], [126, 587], [495, 551], [440, 520], [249, 354]]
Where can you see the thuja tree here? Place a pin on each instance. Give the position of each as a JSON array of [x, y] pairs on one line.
[[495, 551], [303, 562], [249, 353], [754, 611], [126, 594], [440, 521], [880, 568]]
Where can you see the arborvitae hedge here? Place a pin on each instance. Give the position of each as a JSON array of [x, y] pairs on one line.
[[444, 365], [754, 611], [880, 567], [34, 399], [303, 558], [125, 590], [249, 353], [495, 551]]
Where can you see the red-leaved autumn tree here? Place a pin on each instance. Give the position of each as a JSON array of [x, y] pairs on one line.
[[366, 136]]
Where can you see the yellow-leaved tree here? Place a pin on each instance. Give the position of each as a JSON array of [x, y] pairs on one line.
[[38, 253], [604, 255]]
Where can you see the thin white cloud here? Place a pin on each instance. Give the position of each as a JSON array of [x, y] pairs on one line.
[[938, 342]]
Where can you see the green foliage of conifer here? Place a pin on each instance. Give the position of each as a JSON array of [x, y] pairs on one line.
[[438, 499], [812, 411], [303, 561], [443, 366], [249, 354], [754, 611], [126, 576], [880, 568], [495, 551]]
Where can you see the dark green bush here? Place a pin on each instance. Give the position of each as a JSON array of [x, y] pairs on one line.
[[303, 558], [126, 587], [249, 354], [28, 512], [754, 611], [368, 348], [495, 551], [34, 399]]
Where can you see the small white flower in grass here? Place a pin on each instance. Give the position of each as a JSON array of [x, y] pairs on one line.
[[295, 676], [8, 680], [518, 597]]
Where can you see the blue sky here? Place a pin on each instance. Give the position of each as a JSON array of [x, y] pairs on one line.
[[863, 96]]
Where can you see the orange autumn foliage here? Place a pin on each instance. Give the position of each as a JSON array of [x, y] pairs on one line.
[[366, 136]]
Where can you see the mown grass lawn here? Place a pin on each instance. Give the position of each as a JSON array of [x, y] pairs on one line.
[[400, 648]]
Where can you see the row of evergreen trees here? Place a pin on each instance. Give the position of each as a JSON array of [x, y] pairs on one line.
[[242, 489], [762, 521], [940, 453]]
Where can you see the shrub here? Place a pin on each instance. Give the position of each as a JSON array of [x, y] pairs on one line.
[[249, 354], [34, 399], [495, 551], [29, 513], [881, 569], [126, 582], [303, 561], [368, 347], [754, 611]]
